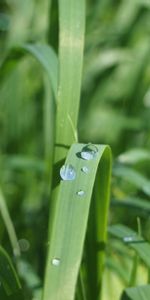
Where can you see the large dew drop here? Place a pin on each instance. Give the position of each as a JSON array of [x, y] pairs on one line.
[[89, 152], [56, 262], [67, 172]]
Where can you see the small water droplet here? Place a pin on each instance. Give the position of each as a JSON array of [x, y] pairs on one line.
[[128, 239], [89, 152], [133, 239], [56, 262], [67, 172], [80, 193], [85, 169]]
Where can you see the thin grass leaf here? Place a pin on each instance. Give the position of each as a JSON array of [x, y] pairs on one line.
[[133, 177], [48, 60], [132, 239], [70, 222], [137, 293], [71, 42], [8, 275], [134, 156], [142, 205], [44, 54], [23, 163], [9, 225]]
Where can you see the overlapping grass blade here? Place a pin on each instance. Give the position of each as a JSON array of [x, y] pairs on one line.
[[44, 54], [133, 177], [137, 293], [71, 42], [134, 156], [141, 246], [70, 222], [47, 58], [9, 225], [142, 205]]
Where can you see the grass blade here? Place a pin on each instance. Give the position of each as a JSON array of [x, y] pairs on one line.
[[44, 54], [141, 247], [71, 42], [137, 293], [9, 225], [8, 276], [134, 177], [70, 222]]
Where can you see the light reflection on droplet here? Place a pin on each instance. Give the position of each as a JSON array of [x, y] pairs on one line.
[[80, 193], [85, 169], [67, 172], [89, 152], [133, 239], [128, 239], [56, 262]]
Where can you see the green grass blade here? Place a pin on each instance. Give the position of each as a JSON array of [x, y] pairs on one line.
[[137, 204], [44, 54], [134, 177], [71, 42], [9, 225], [137, 293], [8, 275], [134, 156], [47, 58], [139, 244], [70, 222]]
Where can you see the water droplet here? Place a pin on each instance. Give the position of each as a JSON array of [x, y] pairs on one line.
[[133, 239], [128, 239], [85, 169], [80, 193], [89, 152], [67, 172], [56, 262]]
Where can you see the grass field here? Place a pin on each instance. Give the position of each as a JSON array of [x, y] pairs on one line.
[[74, 150]]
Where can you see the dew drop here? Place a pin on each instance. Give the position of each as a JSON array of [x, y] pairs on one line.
[[85, 169], [80, 193], [56, 262], [67, 172], [128, 239], [89, 152], [133, 239]]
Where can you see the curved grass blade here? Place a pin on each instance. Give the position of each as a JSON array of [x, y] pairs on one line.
[[8, 275], [134, 177], [47, 58], [134, 156], [70, 222], [44, 54], [137, 293]]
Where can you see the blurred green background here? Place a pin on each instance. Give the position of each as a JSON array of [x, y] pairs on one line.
[[115, 109]]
